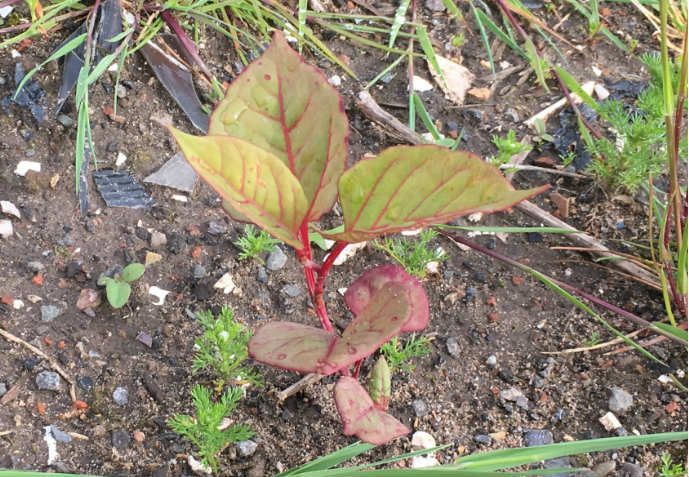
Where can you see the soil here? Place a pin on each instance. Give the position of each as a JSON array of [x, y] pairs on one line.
[[487, 307]]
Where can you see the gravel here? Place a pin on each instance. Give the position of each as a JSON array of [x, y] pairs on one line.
[[121, 396], [48, 381], [276, 259], [620, 400], [246, 448], [453, 347], [420, 407], [50, 312]]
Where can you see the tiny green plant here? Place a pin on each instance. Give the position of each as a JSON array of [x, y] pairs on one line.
[[254, 243], [118, 288], [276, 152], [399, 356], [206, 429], [668, 468], [593, 340], [508, 146], [413, 254], [222, 348]]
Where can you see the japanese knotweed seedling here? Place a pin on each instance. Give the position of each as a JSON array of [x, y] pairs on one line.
[[276, 153]]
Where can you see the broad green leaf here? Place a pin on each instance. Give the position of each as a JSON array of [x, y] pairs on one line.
[[287, 107], [361, 418], [290, 346], [132, 272], [408, 187], [117, 293], [379, 385], [384, 317], [359, 293], [251, 180]]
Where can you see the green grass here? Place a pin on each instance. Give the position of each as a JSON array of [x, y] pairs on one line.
[[413, 253], [203, 429], [508, 146], [254, 243], [668, 468], [222, 349], [399, 355]]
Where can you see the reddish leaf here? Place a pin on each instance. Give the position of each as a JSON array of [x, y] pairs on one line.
[[361, 418], [287, 107], [359, 293], [251, 180], [409, 187], [290, 346]]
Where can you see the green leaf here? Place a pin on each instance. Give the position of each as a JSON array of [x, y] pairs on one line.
[[132, 272], [361, 418], [117, 293], [409, 187], [281, 104], [251, 180], [671, 331]]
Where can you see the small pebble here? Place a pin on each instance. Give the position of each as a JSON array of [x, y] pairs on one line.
[[262, 275], [3, 389], [138, 436], [85, 382], [630, 470], [120, 439], [216, 227], [453, 347], [48, 381], [604, 468], [65, 120], [420, 407], [35, 266], [59, 435], [276, 259], [198, 271], [246, 448], [158, 239], [538, 437], [483, 439], [291, 290], [422, 440], [121, 396], [50, 312], [620, 400]]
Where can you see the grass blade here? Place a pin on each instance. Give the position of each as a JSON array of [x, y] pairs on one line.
[[484, 37], [399, 20], [331, 460], [425, 42], [671, 331]]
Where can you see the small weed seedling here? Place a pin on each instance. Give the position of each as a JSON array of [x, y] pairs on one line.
[[399, 356], [593, 340], [413, 254], [254, 243], [222, 349], [669, 469], [206, 429], [508, 146], [276, 152], [118, 288]]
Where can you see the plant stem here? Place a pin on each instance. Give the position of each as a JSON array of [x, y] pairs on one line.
[[306, 258], [185, 41]]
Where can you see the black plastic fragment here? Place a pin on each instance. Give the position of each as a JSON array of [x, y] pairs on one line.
[[28, 97], [71, 66], [567, 138], [120, 189]]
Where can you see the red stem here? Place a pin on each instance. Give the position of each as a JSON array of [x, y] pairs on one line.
[[186, 42], [306, 258]]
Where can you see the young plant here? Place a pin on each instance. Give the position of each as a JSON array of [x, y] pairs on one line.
[[222, 349], [276, 153], [413, 255], [118, 288], [399, 355], [593, 340], [508, 146], [254, 243], [668, 468], [206, 429]]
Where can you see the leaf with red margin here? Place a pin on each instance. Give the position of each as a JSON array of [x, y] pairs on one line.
[[290, 346], [359, 293], [408, 187], [387, 312], [361, 418], [250, 180], [288, 108]]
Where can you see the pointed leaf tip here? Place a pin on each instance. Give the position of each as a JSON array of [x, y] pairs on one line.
[[251, 181]]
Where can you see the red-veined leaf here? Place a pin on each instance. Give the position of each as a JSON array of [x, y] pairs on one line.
[[407, 187], [287, 107], [290, 346], [359, 294], [250, 180], [361, 418]]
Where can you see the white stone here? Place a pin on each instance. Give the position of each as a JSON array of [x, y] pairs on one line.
[[665, 379], [120, 160], [6, 229], [475, 217], [411, 233], [610, 422], [5, 11], [422, 85], [226, 284], [159, 293], [433, 268], [17, 304], [50, 441], [348, 252], [25, 166], [335, 80], [15, 54], [422, 440], [180, 198], [419, 462], [9, 208], [601, 92], [342, 290], [197, 467], [596, 71]]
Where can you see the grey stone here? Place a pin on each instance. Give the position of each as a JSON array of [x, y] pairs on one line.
[[630, 470], [511, 394], [35, 266], [85, 382], [199, 271], [3, 389], [59, 435], [121, 396], [262, 275], [175, 173], [435, 5], [158, 239], [276, 259], [120, 439], [420, 407], [620, 400], [538, 437], [48, 381], [65, 120], [492, 361], [604, 468], [216, 227], [50, 312], [291, 290], [453, 347], [483, 439], [522, 402], [246, 448]]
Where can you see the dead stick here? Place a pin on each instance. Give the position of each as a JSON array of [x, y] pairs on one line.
[[557, 172], [595, 347], [10, 337], [374, 112], [309, 379]]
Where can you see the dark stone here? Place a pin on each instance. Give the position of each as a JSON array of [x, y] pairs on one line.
[[538, 437], [120, 439], [31, 362], [483, 439], [175, 242], [85, 382], [534, 237], [506, 375]]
